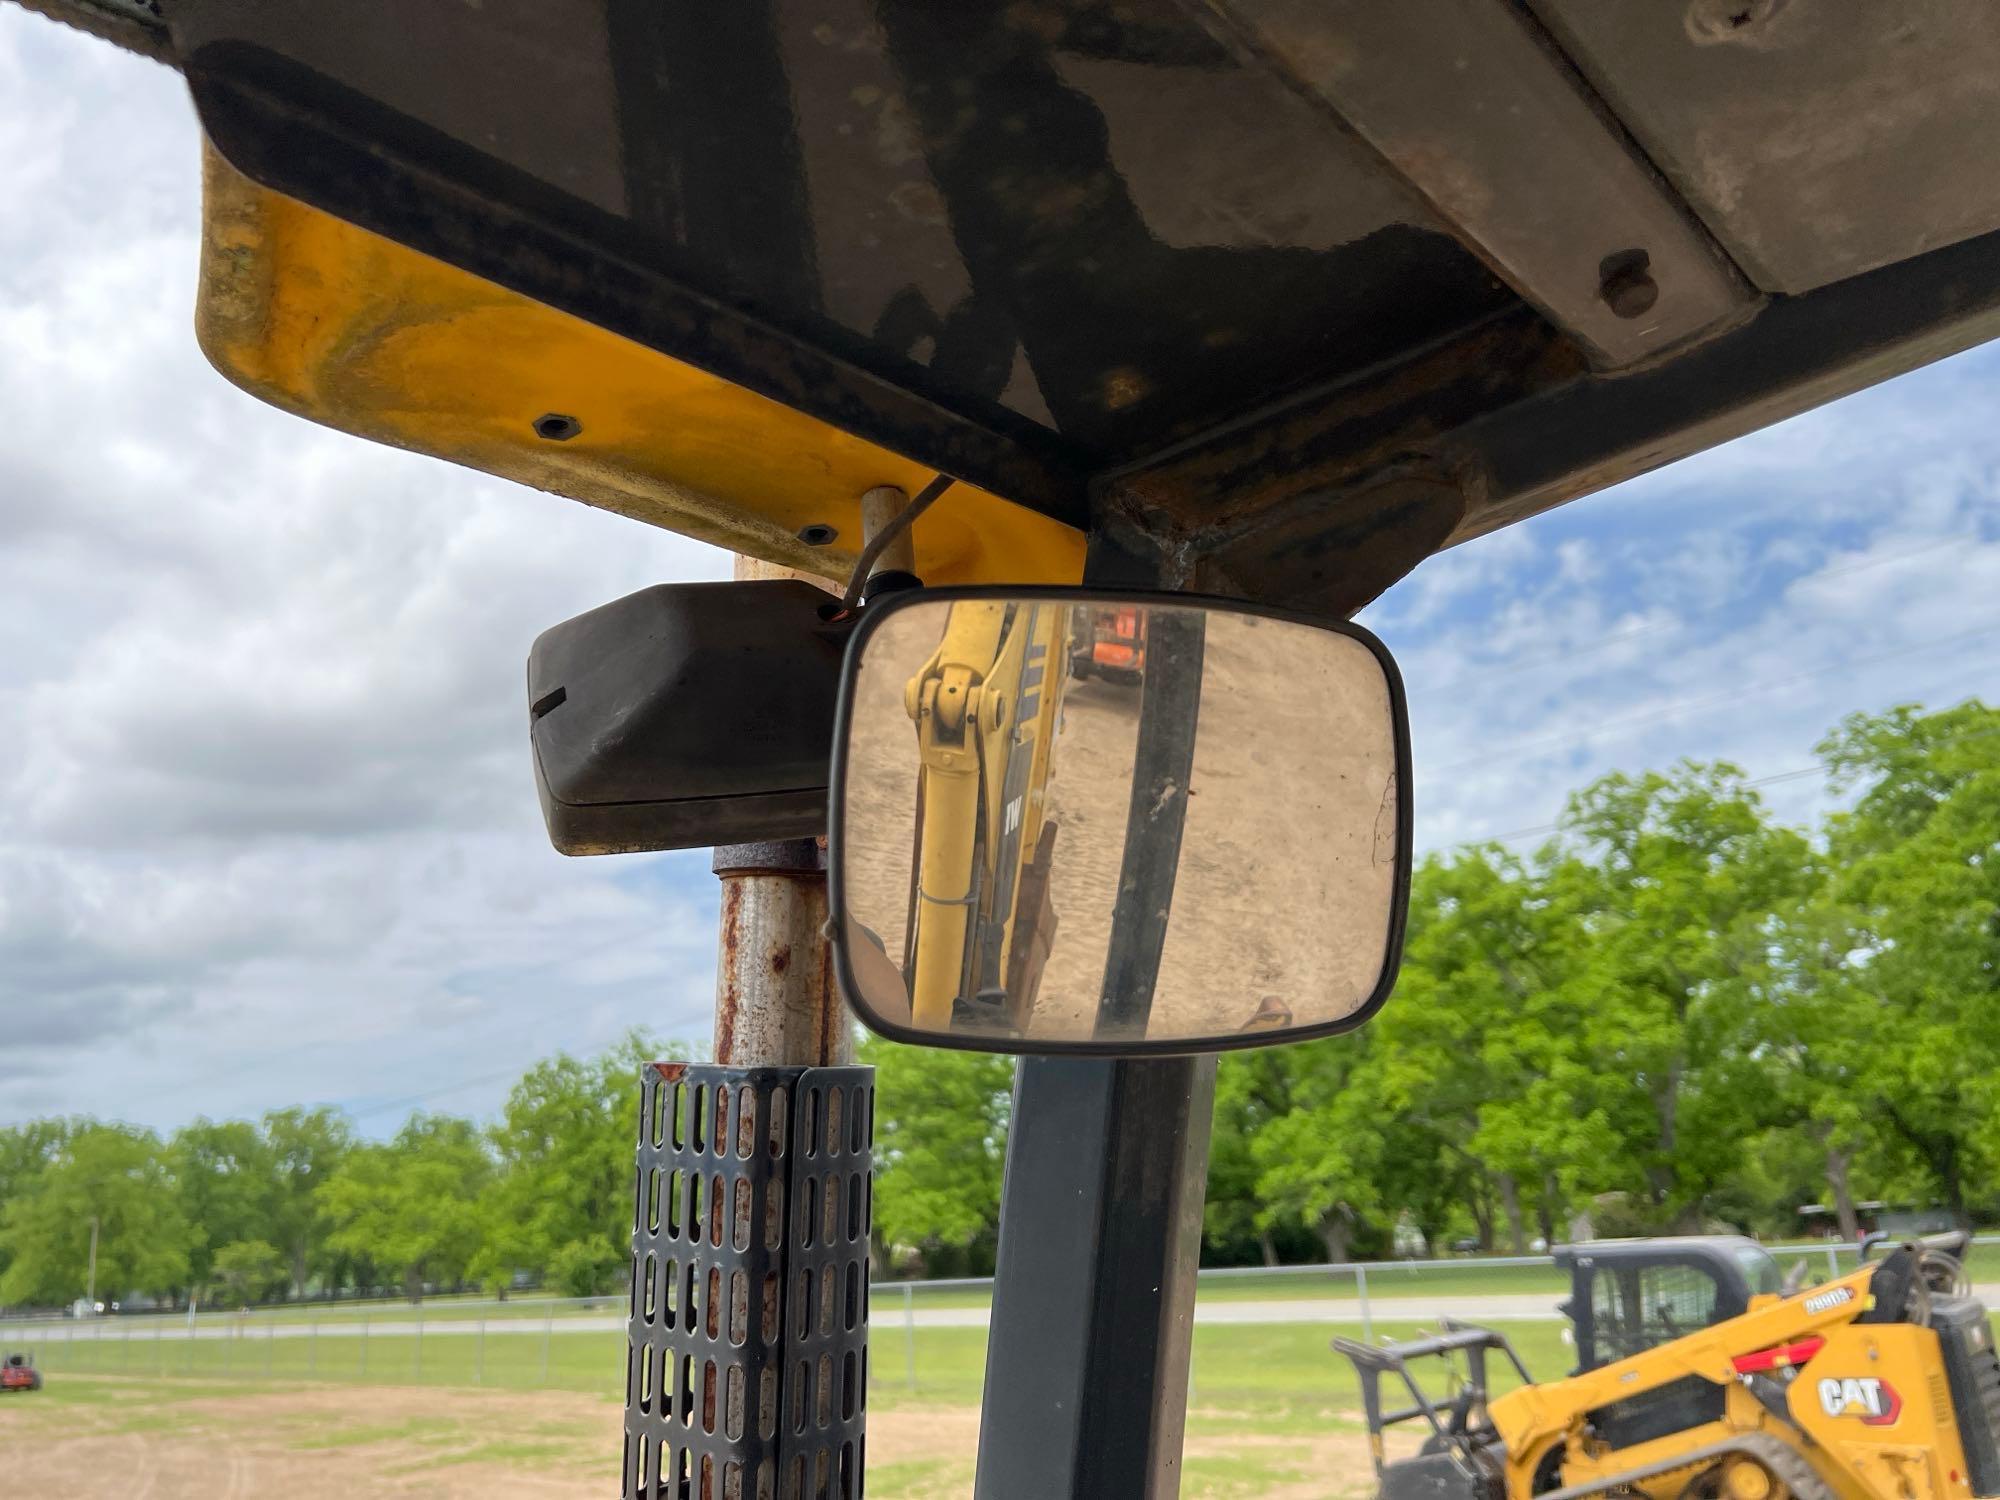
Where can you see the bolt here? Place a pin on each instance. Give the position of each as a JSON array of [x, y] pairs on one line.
[[819, 534], [556, 427], [1742, 22], [1626, 284]]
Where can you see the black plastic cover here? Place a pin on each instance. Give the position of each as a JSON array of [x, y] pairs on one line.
[[686, 715]]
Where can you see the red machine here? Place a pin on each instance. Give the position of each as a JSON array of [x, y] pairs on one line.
[[1109, 643]]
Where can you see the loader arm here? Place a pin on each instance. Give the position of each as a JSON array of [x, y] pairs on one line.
[[985, 707]]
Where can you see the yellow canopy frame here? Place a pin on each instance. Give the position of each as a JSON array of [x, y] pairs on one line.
[[340, 326]]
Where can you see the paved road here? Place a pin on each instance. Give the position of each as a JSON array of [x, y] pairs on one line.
[[888, 1313]]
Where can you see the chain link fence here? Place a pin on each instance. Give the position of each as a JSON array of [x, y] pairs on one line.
[[929, 1337]]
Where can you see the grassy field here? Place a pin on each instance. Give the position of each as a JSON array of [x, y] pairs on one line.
[[1273, 1374], [1273, 1412], [527, 1360]]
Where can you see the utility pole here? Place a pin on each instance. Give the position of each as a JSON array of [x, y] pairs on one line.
[[90, 1291]]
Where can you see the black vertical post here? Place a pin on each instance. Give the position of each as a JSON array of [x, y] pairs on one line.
[[1093, 1306], [1100, 1239], [1162, 765]]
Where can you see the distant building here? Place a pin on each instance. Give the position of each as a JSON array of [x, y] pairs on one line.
[[1822, 1221], [1408, 1238]]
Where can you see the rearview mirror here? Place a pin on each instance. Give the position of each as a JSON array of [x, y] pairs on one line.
[[1115, 823]]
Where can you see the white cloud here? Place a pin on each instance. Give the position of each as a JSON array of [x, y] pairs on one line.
[[1735, 606], [267, 831]]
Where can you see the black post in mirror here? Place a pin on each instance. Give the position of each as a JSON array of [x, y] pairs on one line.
[[1073, 821]]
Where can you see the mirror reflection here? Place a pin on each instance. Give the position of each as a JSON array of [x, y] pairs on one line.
[[1115, 823]]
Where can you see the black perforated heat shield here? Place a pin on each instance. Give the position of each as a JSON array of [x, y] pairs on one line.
[[747, 1363]]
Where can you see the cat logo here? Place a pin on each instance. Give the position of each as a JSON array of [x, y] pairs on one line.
[[1873, 1400]]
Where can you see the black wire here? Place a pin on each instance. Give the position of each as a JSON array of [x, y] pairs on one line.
[[898, 524]]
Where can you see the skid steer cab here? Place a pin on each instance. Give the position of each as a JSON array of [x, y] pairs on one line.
[[1702, 1376]]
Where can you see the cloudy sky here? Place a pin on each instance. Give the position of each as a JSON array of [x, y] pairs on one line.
[[267, 832]]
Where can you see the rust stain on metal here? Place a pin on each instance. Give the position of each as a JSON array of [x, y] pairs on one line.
[[728, 996], [1339, 492], [732, 919], [776, 1002], [669, 1072], [834, 1012], [1336, 439]]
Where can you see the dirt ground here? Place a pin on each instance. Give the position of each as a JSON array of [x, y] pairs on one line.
[[139, 1441], [113, 1439], [1287, 854]]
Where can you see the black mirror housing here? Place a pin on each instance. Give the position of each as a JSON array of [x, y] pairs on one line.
[[686, 715]]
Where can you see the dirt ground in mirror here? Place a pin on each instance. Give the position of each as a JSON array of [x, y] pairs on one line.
[[1286, 872]]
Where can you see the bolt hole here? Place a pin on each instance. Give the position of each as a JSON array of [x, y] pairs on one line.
[[819, 534], [557, 428]]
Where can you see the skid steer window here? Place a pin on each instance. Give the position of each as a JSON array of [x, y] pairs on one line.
[[1760, 1271], [1643, 1307]]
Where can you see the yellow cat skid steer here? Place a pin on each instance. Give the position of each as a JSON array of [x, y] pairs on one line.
[[1700, 1378], [986, 706]]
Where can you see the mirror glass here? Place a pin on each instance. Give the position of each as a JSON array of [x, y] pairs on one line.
[[1100, 824]]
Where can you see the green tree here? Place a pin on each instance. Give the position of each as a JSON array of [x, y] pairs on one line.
[[227, 1186], [560, 1203], [248, 1271], [584, 1268], [1487, 1047], [940, 1140], [306, 1148], [412, 1206], [1323, 1164], [1250, 1092], [1815, 1023], [1909, 939], [116, 1176], [26, 1150], [1674, 882]]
